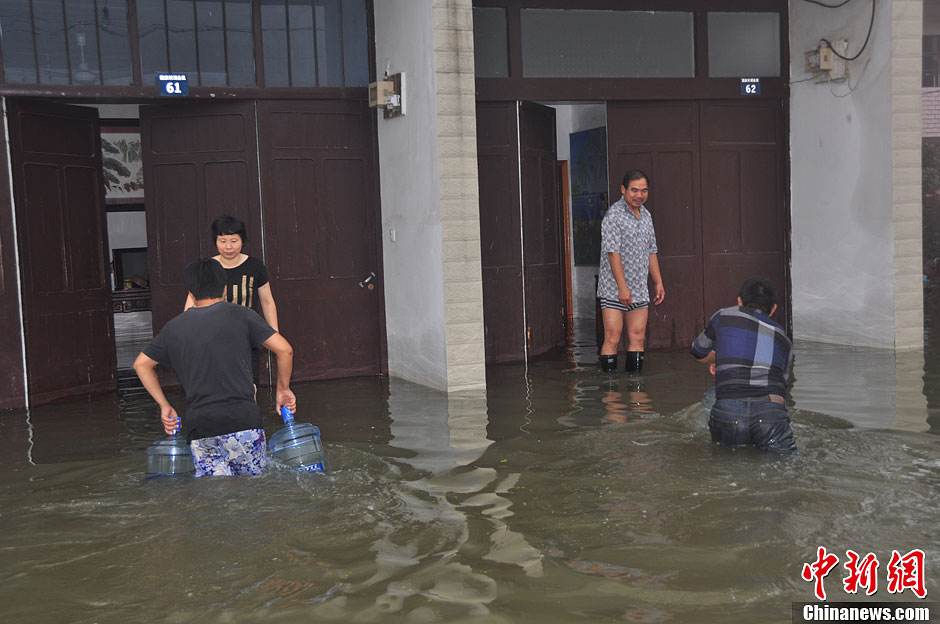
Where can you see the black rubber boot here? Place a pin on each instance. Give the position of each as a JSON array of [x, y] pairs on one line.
[[608, 363], [634, 364]]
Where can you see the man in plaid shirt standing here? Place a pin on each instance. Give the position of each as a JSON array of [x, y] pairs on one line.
[[628, 261]]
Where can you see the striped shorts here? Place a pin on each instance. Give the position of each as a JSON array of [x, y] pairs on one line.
[[230, 454], [614, 304]]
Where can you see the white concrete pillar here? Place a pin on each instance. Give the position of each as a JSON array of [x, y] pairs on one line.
[[907, 31], [856, 179], [430, 200]]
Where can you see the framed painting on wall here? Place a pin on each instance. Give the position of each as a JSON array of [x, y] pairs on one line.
[[121, 161], [588, 193]]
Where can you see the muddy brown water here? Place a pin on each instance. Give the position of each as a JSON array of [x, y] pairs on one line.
[[559, 495]]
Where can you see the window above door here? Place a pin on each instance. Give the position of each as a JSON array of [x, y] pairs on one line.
[[216, 43]]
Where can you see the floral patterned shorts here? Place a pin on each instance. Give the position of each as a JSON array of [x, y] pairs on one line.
[[231, 454]]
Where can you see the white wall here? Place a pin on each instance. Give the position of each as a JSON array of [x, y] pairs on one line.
[[126, 229], [413, 262], [841, 182], [571, 118]]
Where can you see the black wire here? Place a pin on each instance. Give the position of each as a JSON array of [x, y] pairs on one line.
[[828, 6], [871, 26]]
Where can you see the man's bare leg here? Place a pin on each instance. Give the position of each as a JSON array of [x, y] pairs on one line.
[[636, 338], [613, 331]]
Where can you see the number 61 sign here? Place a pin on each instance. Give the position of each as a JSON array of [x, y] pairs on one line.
[[172, 84]]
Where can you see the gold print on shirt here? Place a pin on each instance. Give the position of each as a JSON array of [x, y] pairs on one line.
[[241, 294], [248, 289]]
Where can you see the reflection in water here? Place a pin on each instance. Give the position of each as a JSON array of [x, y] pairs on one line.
[[625, 400], [445, 434], [866, 387], [560, 495]]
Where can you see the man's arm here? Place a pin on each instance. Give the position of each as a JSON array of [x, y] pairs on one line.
[[660, 294], [146, 369], [616, 267], [708, 359], [703, 346], [284, 354]]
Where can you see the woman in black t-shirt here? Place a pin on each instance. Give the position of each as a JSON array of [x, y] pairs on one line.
[[246, 277]]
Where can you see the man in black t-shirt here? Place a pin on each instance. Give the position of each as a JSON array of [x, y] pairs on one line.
[[209, 347]]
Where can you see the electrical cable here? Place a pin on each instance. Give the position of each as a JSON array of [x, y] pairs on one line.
[[828, 6], [871, 25]]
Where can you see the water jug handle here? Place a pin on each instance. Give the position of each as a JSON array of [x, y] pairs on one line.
[[179, 426], [287, 415]]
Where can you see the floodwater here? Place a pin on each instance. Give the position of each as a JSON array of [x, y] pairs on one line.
[[559, 495]]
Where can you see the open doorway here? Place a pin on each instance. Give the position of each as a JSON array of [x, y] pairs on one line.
[[78, 183], [101, 273], [582, 147], [718, 201], [122, 167]]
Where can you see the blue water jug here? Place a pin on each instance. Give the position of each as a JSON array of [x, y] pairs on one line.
[[170, 456], [297, 445]]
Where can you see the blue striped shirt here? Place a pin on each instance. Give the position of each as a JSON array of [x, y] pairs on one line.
[[752, 352]]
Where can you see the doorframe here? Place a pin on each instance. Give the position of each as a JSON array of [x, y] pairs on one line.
[[567, 257], [12, 402], [10, 261]]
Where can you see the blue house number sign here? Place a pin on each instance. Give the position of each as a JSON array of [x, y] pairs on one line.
[[750, 86], [172, 84]]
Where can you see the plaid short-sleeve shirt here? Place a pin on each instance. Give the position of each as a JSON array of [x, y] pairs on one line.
[[634, 239], [753, 354]]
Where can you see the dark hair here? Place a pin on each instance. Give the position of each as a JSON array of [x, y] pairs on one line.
[[226, 225], [758, 293], [633, 174], [204, 278]]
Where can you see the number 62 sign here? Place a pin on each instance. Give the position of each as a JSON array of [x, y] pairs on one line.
[[172, 84], [750, 86]]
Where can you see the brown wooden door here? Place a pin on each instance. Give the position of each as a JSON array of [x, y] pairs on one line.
[[662, 140], [322, 234], [745, 232], [200, 161], [717, 200], [58, 186], [544, 295], [500, 242]]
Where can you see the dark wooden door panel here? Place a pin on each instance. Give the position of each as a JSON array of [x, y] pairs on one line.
[[544, 295], [200, 161], [500, 245], [662, 140], [742, 194], [322, 233], [58, 185], [717, 201]]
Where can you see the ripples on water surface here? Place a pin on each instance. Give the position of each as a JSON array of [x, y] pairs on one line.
[[559, 496]]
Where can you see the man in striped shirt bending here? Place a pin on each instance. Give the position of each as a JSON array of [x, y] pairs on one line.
[[751, 358]]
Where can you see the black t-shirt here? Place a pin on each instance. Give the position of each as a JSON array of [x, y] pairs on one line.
[[242, 283], [210, 350]]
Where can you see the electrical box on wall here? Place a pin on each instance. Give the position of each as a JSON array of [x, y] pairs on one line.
[[389, 95], [379, 93], [825, 57], [838, 69], [825, 63]]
